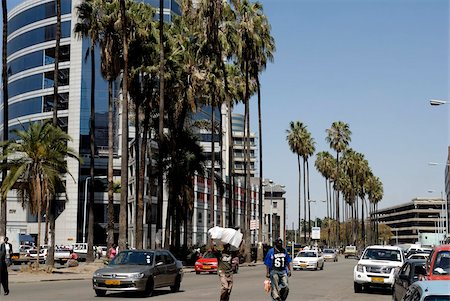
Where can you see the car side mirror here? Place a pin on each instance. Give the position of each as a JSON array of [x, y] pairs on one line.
[[159, 263], [106, 262]]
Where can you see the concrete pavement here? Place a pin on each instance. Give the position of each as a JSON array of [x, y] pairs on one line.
[[22, 274]]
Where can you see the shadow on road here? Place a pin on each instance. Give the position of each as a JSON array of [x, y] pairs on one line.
[[157, 292]]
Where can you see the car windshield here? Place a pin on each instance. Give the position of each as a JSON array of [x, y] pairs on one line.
[[328, 251], [133, 258], [442, 263], [382, 254], [437, 298], [209, 255], [307, 254]]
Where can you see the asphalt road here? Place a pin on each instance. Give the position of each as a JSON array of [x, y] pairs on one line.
[[335, 282]]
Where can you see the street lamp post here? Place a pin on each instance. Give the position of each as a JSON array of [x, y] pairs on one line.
[[85, 203]]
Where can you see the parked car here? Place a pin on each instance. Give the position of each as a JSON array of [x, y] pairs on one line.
[[438, 263], [412, 270], [208, 263], [62, 255], [32, 255], [330, 255], [139, 271], [350, 251], [377, 267], [309, 259], [423, 256], [428, 291]]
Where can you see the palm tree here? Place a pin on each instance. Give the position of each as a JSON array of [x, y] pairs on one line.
[[3, 206], [248, 30], [308, 150], [50, 215], [110, 68], [89, 26], [325, 165], [124, 143], [161, 118], [36, 167], [374, 188], [294, 139], [338, 136]]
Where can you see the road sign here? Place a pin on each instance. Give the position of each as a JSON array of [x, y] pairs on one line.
[[315, 232], [254, 224]]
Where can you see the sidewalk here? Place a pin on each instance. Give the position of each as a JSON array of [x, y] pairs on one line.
[[82, 272]]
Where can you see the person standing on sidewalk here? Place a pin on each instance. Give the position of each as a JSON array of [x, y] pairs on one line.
[[278, 269], [5, 256], [224, 270]]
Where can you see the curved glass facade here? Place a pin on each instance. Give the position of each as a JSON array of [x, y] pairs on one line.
[[37, 36], [37, 13]]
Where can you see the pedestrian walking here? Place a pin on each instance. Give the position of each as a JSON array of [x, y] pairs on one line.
[[5, 260], [224, 270], [112, 251], [278, 269]]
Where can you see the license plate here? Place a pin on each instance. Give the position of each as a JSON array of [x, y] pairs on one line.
[[112, 282], [302, 264], [205, 267], [377, 279]]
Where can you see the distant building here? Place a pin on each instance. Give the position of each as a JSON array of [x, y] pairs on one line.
[[274, 211], [447, 190], [407, 221], [238, 147]]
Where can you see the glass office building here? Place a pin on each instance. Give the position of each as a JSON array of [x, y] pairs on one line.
[[31, 53]]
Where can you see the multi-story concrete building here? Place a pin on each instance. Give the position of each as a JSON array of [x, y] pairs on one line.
[[407, 221], [447, 192], [239, 137], [31, 52], [274, 211]]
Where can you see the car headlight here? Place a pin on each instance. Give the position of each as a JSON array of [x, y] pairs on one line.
[[197, 263], [97, 274], [137, 275], [360, 268]]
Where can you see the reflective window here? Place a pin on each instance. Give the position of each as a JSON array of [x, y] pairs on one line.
[[26, 84], [64, 54], [25, 62], [175, 7], [25, 107], [37, 13], [63, 102], [63, 78], [36, 36], [19, 127]]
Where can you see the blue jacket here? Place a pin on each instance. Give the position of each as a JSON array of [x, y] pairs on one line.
[[277, 261]]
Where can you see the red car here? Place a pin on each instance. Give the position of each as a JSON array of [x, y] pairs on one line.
[[208, 263], [438, 263]]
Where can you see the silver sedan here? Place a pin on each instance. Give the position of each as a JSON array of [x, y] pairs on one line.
[[139, 271]]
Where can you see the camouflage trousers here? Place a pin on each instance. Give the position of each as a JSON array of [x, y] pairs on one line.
[[226, 284]]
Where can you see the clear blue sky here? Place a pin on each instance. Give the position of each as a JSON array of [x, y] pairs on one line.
[[373, 64]]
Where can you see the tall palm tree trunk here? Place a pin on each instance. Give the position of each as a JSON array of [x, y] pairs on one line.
[[247, 192], [161, 119], [260, 194], [299, 196], [110, 226], [138, 225], [213, 161], [52, 200], [305, 201], [338, 232], [3, 205], [123, 220], [363, 230], [90, 240], [309, 201]]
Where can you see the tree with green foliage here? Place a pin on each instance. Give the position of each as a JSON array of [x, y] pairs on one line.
[[37, 163]]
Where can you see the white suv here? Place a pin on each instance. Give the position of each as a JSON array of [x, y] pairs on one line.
[[377, 267]]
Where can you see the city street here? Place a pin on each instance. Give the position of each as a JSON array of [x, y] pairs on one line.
[[335, 282]]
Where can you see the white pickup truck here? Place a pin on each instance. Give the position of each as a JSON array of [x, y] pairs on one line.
[[377, 267]]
